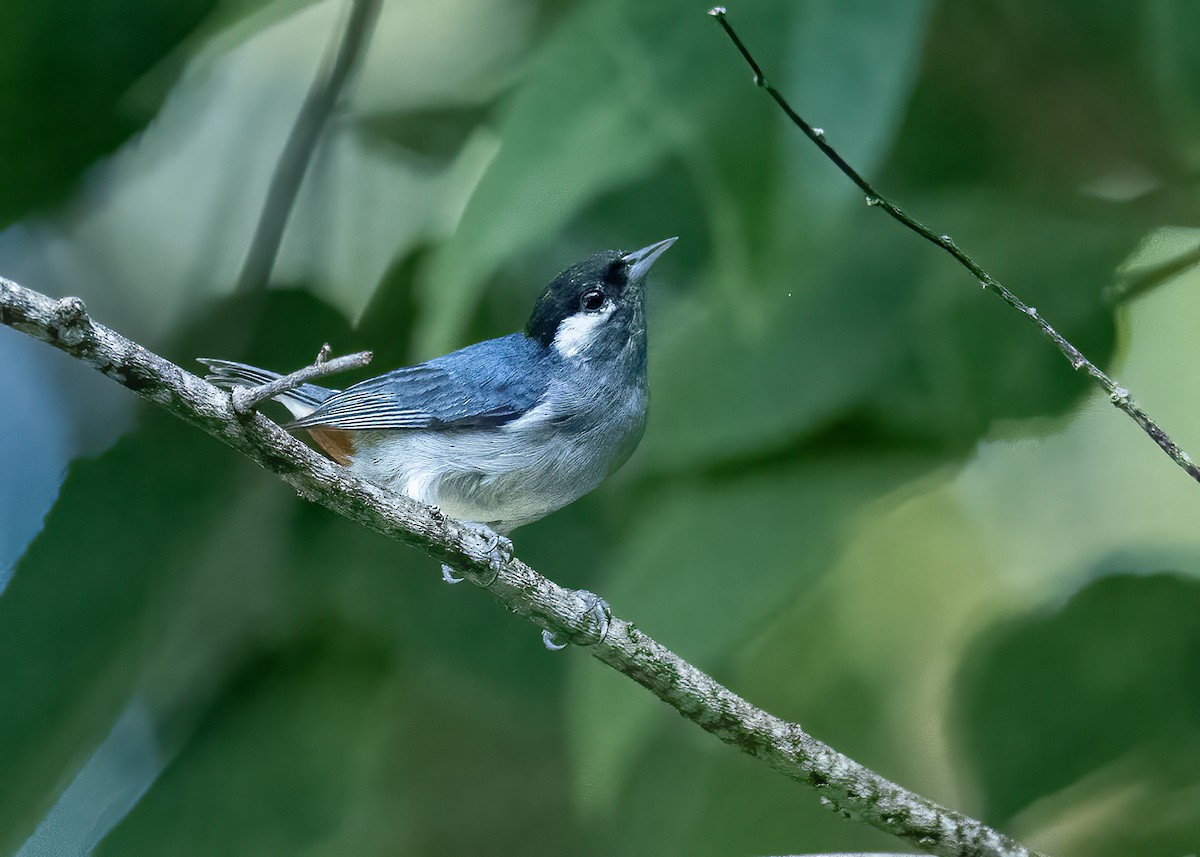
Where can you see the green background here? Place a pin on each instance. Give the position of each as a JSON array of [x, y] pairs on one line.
[[871, 498]]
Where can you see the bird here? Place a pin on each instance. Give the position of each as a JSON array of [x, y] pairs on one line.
[[503, 432]]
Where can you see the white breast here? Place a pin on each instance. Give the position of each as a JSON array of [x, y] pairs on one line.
[[508, 476]]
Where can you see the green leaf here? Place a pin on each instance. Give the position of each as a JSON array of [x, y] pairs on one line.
[[1175, 71], [480, 726], [134, 556], [1051, 697], [966, 359], [703, 568], [75, 617], [898, 341], [615, 91], [724, 391], [281, 763], [432, 133], [851, 68], [1048, 98], [66, 69]]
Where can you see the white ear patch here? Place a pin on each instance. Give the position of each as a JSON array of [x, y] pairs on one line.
[[576, 332]]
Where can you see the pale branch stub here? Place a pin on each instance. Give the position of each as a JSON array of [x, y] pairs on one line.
[[246, 398]]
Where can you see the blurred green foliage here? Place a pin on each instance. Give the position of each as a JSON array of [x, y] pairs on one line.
[[1033, 688], [66, 73], [870, 499]]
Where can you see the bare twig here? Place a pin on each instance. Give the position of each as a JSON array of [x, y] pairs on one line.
[[1117, 394], [318, 106], [245, 398], [844, 785]]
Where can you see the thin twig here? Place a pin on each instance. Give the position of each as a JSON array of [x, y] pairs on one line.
[[293, 163], [845, 786], [245, 398], [1117, 394]]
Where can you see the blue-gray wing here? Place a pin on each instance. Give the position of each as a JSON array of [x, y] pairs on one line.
[[487, 384]]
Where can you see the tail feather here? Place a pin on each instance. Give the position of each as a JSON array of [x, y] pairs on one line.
[[301, 401]]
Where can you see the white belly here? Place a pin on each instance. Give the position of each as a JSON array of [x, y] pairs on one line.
[[503, 477]]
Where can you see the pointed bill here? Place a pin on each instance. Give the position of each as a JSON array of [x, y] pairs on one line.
[[639, 261]]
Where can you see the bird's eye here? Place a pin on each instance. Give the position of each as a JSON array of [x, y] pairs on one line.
[[592, 300]]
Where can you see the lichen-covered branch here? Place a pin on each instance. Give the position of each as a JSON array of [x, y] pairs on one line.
[[843, 784], [1117, 394]]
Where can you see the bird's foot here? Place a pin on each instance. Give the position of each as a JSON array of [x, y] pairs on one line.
[[590, 604], [498, 549]]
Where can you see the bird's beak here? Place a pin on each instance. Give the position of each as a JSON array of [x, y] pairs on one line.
[[639, 261]]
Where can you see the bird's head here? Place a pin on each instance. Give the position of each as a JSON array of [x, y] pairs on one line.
[[595, 309]]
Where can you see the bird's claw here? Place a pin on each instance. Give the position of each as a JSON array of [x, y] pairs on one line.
[[591, 604], [498, 550]]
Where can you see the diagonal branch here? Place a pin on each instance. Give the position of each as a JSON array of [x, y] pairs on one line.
[[302, 142], [1117, 394], [845, 786]]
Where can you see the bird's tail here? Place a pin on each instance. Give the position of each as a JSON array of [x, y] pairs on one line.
[[301, 401]]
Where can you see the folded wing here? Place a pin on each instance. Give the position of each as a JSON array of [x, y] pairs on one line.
[[487, 384]]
